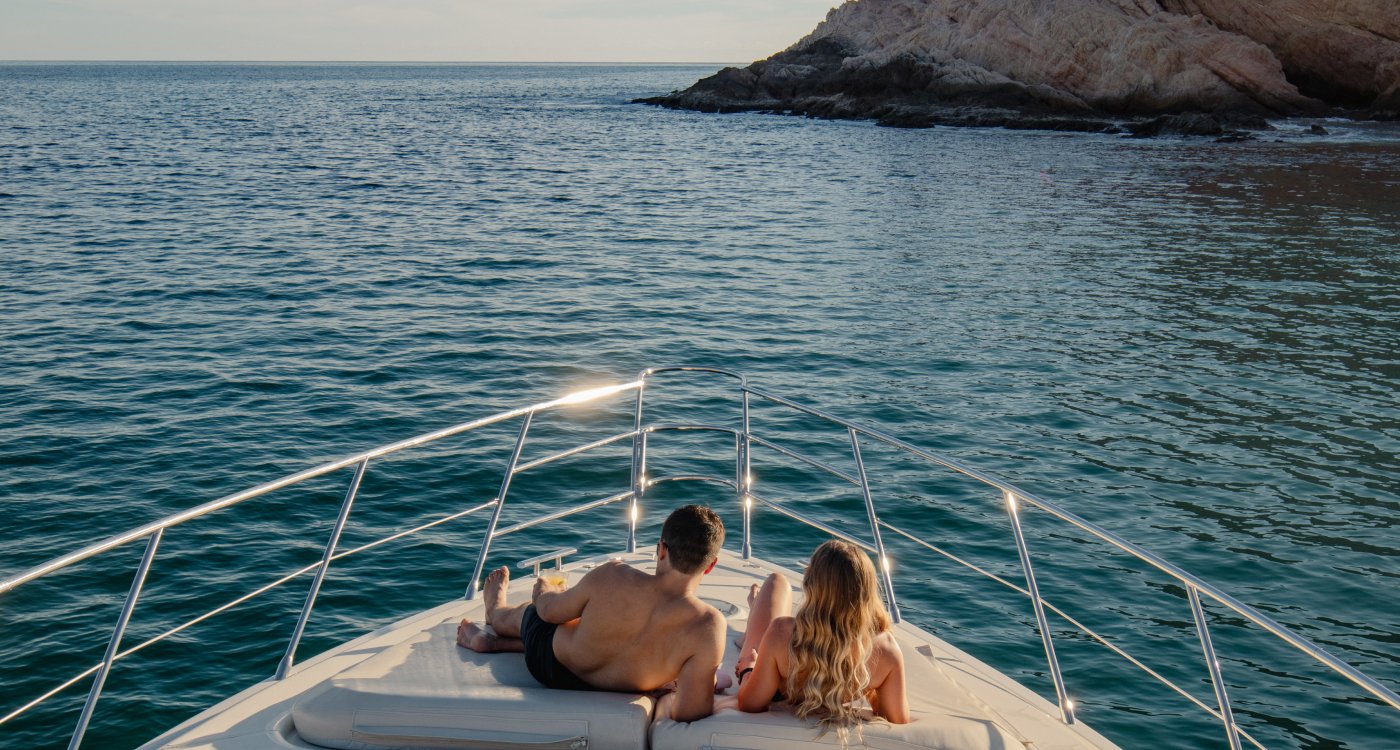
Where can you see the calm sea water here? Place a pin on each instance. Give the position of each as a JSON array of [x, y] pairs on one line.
[[215, 275]]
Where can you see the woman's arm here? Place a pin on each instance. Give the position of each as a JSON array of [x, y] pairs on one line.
[[765, 680], [888, 698]]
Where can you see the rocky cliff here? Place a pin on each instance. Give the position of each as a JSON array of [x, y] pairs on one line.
[[1343, 52], [1073, 64]]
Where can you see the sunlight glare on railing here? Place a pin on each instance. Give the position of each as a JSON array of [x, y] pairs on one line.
[[594, 393]]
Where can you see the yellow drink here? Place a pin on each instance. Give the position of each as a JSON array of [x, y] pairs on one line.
[[553, 578]]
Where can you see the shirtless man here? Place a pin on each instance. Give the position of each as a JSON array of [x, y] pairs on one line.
[[619, 628]]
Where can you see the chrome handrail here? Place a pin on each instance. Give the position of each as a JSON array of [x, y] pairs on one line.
[[326, 556], [1038, 606], [115, 641], [884, 559], [742, 485], [1299, 642], [154, 531], [176, 519], [639, 444], [244, 598], [1081, 627], [500, 505]]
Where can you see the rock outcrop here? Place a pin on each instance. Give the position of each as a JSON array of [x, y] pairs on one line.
[[1344, 52], [1072, 64]]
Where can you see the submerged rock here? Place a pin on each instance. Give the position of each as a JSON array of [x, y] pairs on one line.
[[1195, 123], [1236, 136], [1071, 64]]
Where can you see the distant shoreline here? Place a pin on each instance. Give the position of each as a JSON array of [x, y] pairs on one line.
[[405, 63]]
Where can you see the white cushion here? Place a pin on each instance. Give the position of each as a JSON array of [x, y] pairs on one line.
[[430, 693], [945, 717], [777, 729]]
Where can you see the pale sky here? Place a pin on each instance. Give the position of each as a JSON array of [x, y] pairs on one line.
[[407, 30]]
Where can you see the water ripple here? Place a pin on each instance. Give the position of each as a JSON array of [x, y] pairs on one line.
[[220, 274]]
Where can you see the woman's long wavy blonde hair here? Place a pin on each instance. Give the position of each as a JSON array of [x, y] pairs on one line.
[[833, 635]]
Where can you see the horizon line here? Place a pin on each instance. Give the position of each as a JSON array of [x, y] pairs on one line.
[[369, 62]]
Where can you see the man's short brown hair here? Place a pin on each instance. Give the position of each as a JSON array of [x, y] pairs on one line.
[[693, 536]]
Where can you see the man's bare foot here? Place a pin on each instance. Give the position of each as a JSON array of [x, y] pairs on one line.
[[497, 586], [474, 637]]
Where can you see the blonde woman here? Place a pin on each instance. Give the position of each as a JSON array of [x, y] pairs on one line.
[[837, 650]]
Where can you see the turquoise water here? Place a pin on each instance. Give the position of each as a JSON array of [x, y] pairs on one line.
[[220, 274]]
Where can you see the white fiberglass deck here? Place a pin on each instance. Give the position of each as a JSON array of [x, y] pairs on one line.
[[410, 685]]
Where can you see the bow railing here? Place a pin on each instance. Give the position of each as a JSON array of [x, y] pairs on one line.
[[1012, 498]]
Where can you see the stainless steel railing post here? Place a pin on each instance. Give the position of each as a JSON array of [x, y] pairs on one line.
[[1066, 705], [500, 504], [1232, 731], [115, 641], [874, 526], [745, 480], [639, 458], [286, 664]]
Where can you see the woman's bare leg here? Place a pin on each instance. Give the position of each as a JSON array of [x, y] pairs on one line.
[[766, 603]]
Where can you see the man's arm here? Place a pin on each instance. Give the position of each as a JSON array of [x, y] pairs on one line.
[[558, 605], [695, 688]]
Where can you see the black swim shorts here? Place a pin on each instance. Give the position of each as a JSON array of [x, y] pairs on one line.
[[538, 637]]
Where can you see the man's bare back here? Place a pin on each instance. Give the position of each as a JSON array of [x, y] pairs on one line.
[[633, 634], [617, 629]]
